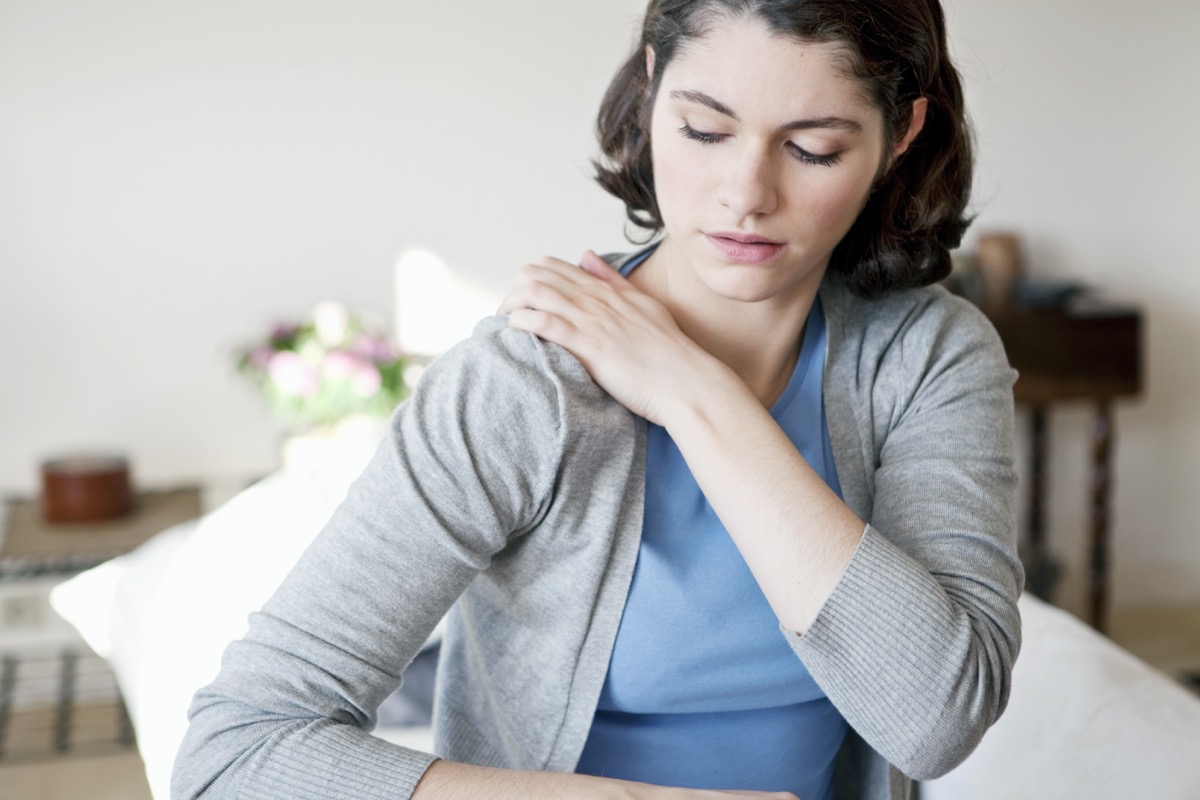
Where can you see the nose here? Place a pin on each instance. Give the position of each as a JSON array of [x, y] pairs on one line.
[[749, 187]]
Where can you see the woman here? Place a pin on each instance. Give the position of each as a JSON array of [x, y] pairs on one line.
[[737, 518]]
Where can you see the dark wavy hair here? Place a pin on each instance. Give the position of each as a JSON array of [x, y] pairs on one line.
[[897, 49]]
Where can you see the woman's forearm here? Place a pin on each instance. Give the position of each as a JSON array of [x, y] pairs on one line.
[[794, 532], [449, 780]]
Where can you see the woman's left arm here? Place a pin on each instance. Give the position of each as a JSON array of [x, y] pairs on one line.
[[912, 633]]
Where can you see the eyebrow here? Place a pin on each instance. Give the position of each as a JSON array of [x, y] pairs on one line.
[[838, 123]]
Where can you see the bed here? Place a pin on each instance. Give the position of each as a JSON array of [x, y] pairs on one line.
[[1086, 718]]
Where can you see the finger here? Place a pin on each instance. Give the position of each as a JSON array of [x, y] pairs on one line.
[[550, 262], [566, 278], [528, 277], [509, 303], [596, 266], [552, 295], [582, 287], [563, 269], [514, 298], [625, 291], [545, 325]]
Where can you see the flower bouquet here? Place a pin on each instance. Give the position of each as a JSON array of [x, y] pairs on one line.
[[333, 366]]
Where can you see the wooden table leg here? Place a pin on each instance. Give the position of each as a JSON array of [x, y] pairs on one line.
[[1037, 481], [1041, 571], [1102, 443]]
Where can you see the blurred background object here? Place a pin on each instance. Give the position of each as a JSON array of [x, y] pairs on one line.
[[86, 488], [1000, 263]]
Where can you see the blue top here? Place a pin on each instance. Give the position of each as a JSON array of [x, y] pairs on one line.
[[702, 689]]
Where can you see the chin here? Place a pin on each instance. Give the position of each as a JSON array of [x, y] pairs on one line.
[[743, 290], [755, 283]]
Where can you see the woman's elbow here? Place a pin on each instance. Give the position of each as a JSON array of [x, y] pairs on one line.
[[937, 758], [214, 744], [950, 734]]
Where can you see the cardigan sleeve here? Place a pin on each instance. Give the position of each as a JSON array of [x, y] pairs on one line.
[[915, 646], [469, 462]]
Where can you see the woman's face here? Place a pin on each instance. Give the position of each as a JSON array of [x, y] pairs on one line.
[[764, 153]]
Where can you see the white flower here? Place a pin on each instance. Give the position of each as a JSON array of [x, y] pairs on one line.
[[330, 320]]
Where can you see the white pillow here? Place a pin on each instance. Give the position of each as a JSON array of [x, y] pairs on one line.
[[175, 603], [1086, 719], [163, 614], [106, 604]]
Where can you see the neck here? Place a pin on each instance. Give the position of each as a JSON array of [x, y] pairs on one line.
[[759, 340]]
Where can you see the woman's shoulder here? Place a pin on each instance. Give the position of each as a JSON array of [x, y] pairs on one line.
[[926, 306], [907, 318], [504, 358], [502, 376], [910, 339]]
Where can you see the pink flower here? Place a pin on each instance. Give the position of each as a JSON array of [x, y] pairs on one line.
[[339, 365], [375, 348], [291, 375], [260, 357], [366, 380], [284, 330]]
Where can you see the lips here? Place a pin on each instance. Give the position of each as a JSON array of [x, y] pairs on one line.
[[743, 248]]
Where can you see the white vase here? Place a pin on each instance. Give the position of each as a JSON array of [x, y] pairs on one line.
[[334, 455]]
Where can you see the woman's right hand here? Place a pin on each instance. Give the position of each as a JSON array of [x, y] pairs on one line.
[[626, 339], [449, 780]]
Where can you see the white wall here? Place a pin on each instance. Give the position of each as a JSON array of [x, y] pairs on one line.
[[174, 176], [1088, 115]]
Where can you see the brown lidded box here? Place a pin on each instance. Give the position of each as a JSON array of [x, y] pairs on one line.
[[86, 488]]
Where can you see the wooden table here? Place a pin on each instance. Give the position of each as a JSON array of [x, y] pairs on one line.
[[1088, 350], [58, 698], [31, 546]]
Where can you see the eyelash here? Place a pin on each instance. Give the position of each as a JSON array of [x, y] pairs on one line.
[[801, 155]]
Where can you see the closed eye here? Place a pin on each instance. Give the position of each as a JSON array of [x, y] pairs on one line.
[[708, 138], [800, 153], [812, 158]]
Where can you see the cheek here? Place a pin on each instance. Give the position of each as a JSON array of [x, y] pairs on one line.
[[677, 180], [834, 205]]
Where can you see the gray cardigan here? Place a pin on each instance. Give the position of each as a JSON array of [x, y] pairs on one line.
[[511, 487]]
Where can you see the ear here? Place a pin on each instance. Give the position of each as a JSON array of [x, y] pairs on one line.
[[649, 63], [920, 107]]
